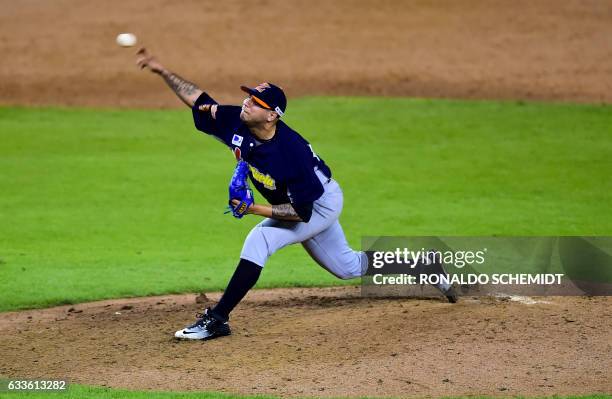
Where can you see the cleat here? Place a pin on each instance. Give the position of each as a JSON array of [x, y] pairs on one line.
[[206, 327], [446, 289], [450, 294]]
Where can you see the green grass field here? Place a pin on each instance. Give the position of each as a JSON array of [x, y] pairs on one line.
[[80, 391], [105, 203]]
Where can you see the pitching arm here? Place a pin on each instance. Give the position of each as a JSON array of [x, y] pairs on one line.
[[187, 91]]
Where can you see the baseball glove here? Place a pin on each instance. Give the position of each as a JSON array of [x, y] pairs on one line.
[[239, 190]]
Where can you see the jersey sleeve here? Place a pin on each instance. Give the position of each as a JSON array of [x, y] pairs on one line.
[[227, 118]]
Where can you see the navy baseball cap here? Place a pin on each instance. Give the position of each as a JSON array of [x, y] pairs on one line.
[[268, 96]]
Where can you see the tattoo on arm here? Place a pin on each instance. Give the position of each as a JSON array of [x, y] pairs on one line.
[[187, 91], [284, 211]]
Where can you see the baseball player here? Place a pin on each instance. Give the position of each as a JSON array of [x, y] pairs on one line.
[[304, 201]]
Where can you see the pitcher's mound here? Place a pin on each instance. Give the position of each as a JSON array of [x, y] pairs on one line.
[[322, 342]]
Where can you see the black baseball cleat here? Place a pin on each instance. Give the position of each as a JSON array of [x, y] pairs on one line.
[[447, 290], [450, 294], [205, 328]]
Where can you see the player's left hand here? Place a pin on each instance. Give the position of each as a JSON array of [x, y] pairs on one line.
[[236, 203], [240, 195], [241, 207]]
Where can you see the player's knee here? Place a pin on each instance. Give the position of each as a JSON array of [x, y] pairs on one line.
[[349, 271], [354, 267], [347, 276]]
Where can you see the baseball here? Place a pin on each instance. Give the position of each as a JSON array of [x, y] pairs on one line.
[[126, 39]]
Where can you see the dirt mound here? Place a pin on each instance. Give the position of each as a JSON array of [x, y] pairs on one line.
[[322, 342], [63, 51]]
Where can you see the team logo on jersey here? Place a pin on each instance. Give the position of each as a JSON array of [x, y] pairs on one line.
[[237, 140], [266, 180]]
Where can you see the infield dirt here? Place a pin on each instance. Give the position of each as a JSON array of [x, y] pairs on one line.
[[323, 342], [64, 51]]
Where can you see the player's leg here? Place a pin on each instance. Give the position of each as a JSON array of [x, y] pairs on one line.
[[213, 322], [271, 235], [331, 250], [264, 239]]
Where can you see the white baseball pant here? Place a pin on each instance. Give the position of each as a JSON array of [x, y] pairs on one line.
[[322, 237]]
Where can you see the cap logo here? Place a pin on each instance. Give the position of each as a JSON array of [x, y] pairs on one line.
[[262, 87], [278, 111]]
